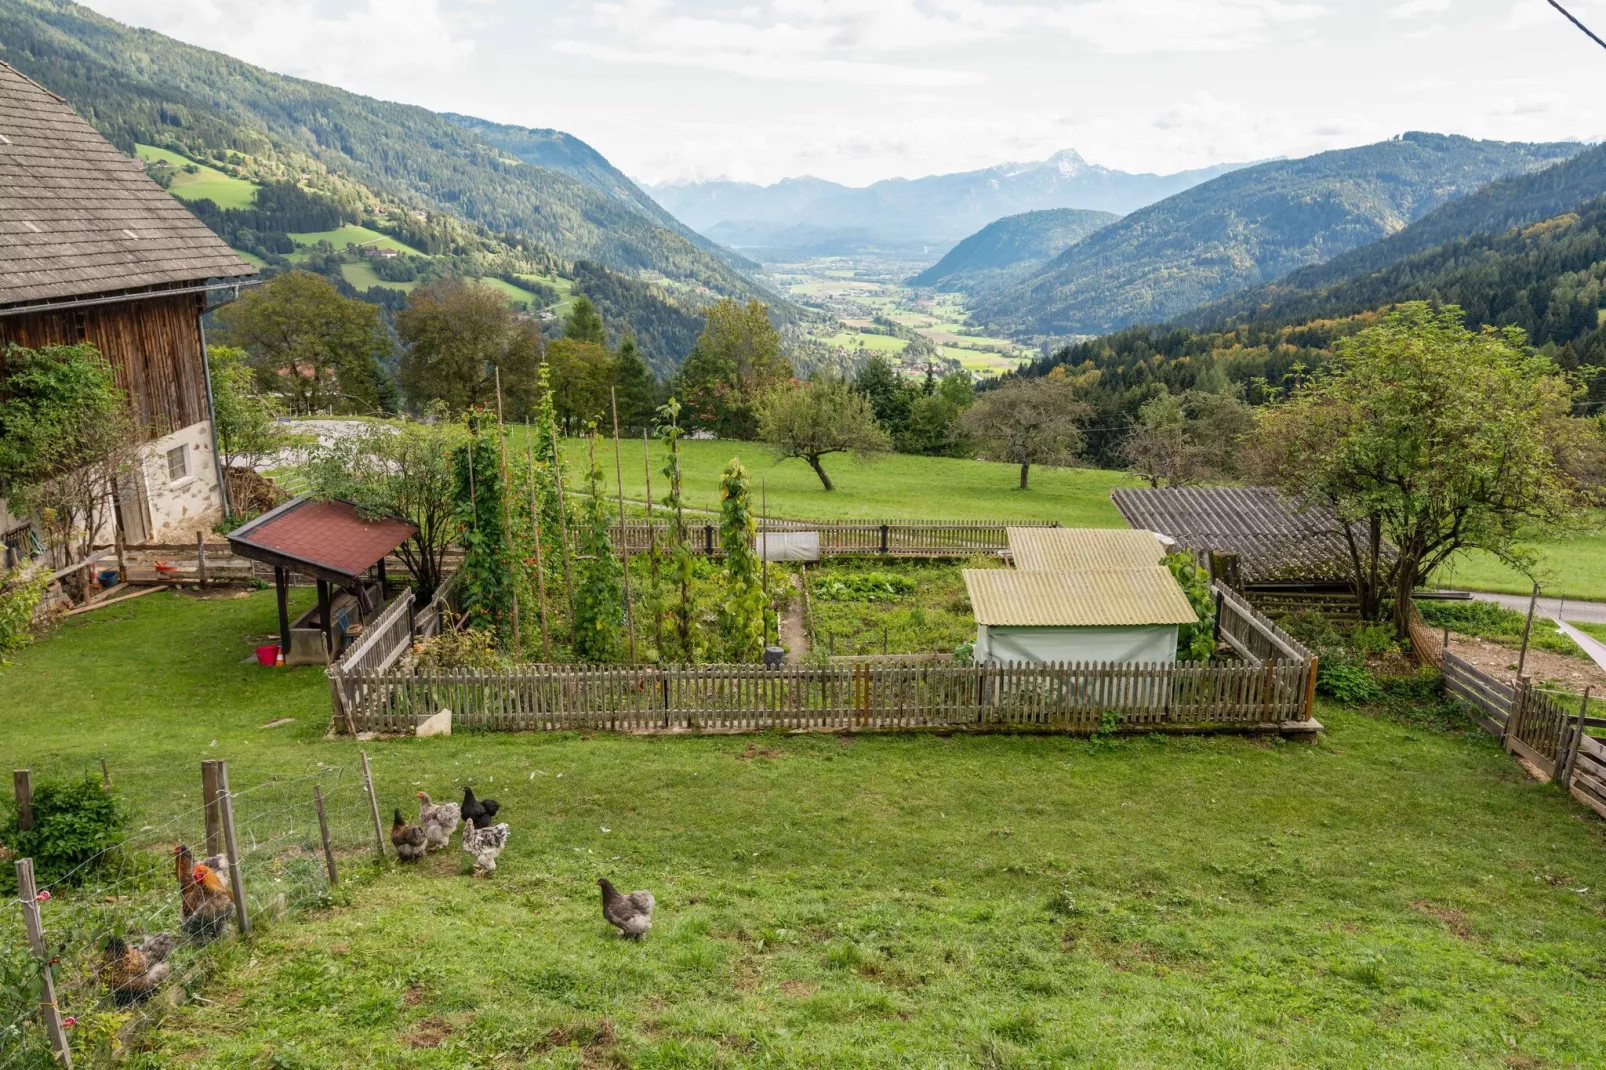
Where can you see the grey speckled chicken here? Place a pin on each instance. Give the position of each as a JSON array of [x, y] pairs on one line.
[[484, 846], [630, 914], [135, 971], [438, 820]]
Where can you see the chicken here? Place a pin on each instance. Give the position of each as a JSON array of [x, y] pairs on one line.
[[207, 904], [438, 820], [484, 845], [135, 972], [409, 840], [478, 812], [630, 914]]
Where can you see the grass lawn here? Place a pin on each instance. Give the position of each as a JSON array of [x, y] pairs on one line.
[[1397, 895], [1568, 568], [513, 293], [350, 234], [207, 183], [875, 343], [1589, 628], [363, 277], [896, 486]]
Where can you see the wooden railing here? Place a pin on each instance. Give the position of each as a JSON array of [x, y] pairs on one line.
[[895, 538], [383, 642], [1061, 697], [1250, 633]]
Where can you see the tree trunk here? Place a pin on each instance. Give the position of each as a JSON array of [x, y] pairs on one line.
[[819, 470], [1024, 470], [1404, 585]]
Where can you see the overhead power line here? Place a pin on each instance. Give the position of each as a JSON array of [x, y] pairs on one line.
[[1574, 20]]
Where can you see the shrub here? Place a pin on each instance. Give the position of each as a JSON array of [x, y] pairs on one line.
[[1349, 683], [74, 823], [453, 649], [1196, 641], [19, 597]]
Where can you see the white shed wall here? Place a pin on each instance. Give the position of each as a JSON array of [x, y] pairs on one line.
[[1144, 644]]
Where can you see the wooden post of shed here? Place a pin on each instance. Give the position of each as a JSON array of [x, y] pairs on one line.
[[210, 803], [22, 785], [28, 894], [325, 621], [281, 583]]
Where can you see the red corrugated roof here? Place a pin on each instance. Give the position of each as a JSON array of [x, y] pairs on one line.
[[330, 535]]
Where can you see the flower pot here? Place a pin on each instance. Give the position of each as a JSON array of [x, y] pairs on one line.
[[268, 656]]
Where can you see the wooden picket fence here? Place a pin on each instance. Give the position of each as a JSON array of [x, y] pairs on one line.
[[892, 538], [1549, 729], [1066, 697]]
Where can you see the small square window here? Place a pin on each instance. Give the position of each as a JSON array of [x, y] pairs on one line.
[[178, 464]]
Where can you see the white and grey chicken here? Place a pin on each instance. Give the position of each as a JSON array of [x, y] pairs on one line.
[[484, 845], [438, 820], [630, 914]]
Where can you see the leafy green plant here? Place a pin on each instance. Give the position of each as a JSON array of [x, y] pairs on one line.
[[681, 639], [75, 822], [599, 603], [486, 585], [457, 648], [742, 622], [1196, 641], [864, 587], [1347, 682], [20, 592]]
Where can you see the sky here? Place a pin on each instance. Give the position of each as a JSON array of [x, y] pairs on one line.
[[860, 90]]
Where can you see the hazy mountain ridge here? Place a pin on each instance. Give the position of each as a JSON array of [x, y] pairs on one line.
[[1010, 248], [915, 214], [1248, 227]]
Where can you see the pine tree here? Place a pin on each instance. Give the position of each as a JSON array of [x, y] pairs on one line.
[[637, 386], [599, 600], [741, 615], [584, 322]]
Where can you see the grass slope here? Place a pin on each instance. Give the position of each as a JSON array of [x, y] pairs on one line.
[[207, 183], [1398, 895], [1568, 568], [896, 487], [350, 234]]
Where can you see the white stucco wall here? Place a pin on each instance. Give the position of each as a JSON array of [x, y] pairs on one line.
[[179, 508], [1145, 644]]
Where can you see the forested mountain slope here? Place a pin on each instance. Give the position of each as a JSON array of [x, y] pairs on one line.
[[1509, 202], [136, 85], [1249, 227], [1009, 248]]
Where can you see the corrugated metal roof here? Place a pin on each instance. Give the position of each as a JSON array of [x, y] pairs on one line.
[[1106, 598], [79, 218], [1083, 549], [1274, 538]]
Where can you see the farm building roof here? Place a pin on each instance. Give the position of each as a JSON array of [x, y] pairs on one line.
[[330, 538], [1101, 598], [78, 218], [1274, 538], [1083, 549]]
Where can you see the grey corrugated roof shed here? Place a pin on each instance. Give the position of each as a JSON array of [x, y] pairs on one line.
[[1105, 598], [78, 218]]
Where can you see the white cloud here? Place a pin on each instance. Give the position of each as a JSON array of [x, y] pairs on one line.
[[1412, 8], [362, 46]]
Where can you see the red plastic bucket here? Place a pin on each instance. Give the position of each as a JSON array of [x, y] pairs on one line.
[[268, 655]]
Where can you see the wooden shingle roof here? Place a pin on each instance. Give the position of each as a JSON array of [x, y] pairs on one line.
[[1274, 538], [78, 218]]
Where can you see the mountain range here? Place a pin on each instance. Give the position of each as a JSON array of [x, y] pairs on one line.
[[811, 216], [1010, 249], [539, 187], [1249, 227]]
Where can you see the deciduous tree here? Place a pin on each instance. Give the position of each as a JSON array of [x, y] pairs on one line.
[[812, 420], [459, 335], [1027, 422], [1430, 437], [242, 414], [736, 359], [1188, 438]]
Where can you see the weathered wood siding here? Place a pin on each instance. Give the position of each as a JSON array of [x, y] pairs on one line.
[[154, 346]]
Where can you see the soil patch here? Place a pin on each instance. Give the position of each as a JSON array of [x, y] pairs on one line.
[[1542, 666]]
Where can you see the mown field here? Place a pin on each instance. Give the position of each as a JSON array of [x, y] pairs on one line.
[[1397, 895], [208, 183]]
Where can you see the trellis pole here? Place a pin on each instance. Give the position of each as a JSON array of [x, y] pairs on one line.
[[624, 544], [563, 531], [507, 506], [535, 523]]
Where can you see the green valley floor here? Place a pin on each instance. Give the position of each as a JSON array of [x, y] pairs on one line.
[[1397, 895]]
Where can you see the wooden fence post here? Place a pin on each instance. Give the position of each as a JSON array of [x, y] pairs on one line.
[[242, 913], [28, 893], [200, 559], [373, 805], [884, 528], [323, 830], [1519, 704], [105, 775], [209, 801], [22, 785], [1577, 743]]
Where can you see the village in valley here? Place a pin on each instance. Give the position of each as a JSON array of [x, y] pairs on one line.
[[463, 607]]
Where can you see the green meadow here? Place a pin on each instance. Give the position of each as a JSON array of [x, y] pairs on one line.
[[207, 183]]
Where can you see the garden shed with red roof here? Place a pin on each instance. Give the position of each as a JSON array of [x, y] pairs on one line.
[[332, 542]]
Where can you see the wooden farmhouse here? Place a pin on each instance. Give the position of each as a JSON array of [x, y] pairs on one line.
[[91, 250]]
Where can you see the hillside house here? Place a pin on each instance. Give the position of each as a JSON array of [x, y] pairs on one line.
[[92, 250]]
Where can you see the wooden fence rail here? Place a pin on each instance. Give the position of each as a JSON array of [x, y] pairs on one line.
[[1250, 633], [1071, 697], [895, 538]]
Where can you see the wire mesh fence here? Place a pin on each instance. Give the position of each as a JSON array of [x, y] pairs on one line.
[[133, 931]]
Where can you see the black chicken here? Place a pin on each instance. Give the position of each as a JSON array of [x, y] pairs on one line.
[[481, 813]]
